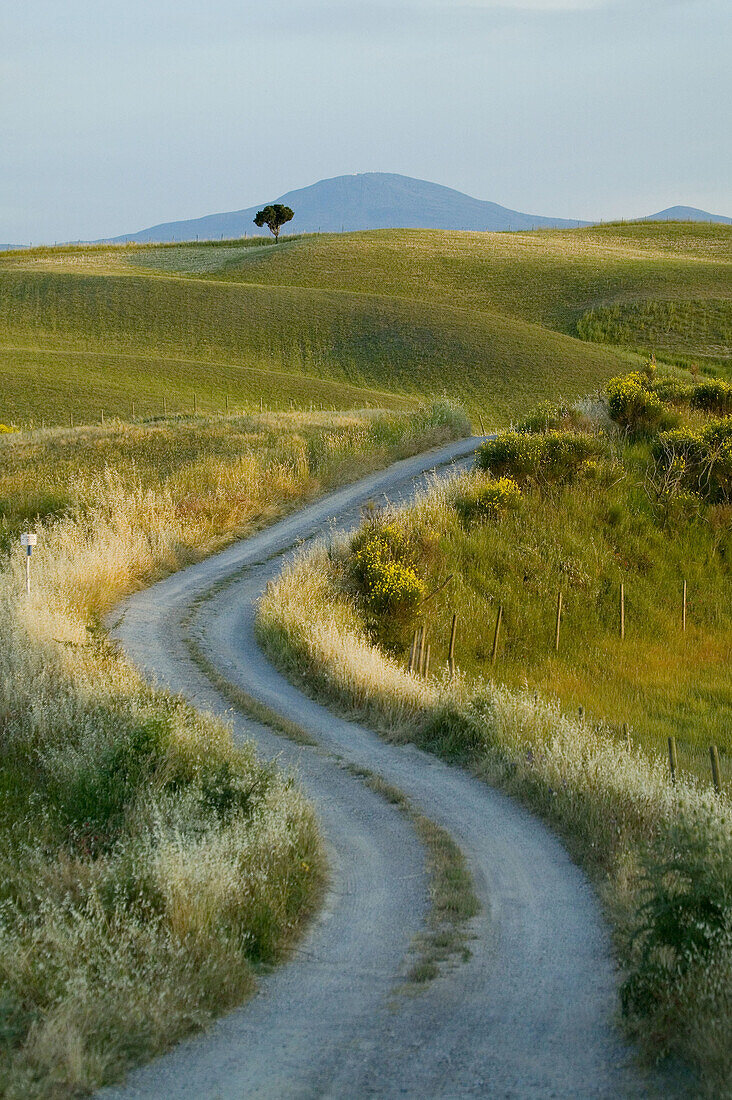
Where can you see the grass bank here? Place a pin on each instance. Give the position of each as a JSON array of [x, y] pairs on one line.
[[147, 864], [659, 853]]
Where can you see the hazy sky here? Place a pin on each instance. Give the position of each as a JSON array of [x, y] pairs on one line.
[[117, 114]]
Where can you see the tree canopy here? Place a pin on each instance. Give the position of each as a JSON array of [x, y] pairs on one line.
[[274, 217]]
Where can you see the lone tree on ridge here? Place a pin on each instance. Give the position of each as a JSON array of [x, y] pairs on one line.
[[274, 217]]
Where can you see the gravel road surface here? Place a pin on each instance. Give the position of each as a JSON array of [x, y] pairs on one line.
[[530, 1014]]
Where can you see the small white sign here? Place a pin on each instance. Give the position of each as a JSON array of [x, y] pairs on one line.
[[27, 539]]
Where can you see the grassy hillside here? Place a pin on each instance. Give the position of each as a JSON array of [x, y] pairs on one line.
[[493, 319], [550, 277], [650, 513], [56, 384], [234, 331]]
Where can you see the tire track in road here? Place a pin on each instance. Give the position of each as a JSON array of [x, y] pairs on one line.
[[528, 1015]]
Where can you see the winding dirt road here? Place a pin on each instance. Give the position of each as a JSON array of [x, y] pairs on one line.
[[528, 1015]]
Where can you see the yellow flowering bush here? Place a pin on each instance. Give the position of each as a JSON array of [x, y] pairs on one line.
[[713, 396], [701, 460], [387, 582], [487, 499], [545, 459], [632, 405]]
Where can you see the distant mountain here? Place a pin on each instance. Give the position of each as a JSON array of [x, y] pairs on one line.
[[686, 214], [371, 200]]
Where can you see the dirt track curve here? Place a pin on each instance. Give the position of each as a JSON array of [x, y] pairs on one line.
[[528, 1015]]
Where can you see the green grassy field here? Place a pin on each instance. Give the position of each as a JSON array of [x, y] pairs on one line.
[[374, 318], [585, 539]]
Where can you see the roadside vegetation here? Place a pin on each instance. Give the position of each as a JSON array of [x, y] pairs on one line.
[[634, 489], [498, 320], [148, 865]]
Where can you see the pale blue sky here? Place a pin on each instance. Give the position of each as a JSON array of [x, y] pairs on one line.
[[117, 114]]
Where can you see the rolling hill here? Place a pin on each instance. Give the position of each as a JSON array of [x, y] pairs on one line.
[[498, 321]]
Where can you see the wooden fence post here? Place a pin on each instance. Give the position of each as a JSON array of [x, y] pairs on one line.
[[451, 647], [683, 609], [622, 610], [626, 736], [413, 650], [133, 410], [422, 643], [482, 428], [165, 407], [195, 404], [716, 770], [673, 759], [426, 665], [559, 621], [496, 633]]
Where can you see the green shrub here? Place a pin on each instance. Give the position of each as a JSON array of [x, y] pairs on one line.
[[545, 459], [634, 406], [487, 500], [682, 441], [603, 471], [672, 391], [713, 396], [718, 441], [685, 914], [545, 417], [93, 804], [699, 461], [512, 454], [224, 792]]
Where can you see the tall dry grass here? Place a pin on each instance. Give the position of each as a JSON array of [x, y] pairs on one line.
[[147, 864]]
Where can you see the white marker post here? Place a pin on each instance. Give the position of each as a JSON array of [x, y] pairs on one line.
[[29, 541]]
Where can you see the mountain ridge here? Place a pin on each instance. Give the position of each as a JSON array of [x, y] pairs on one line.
[[377, 200], [368, 200], [686, 214]]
